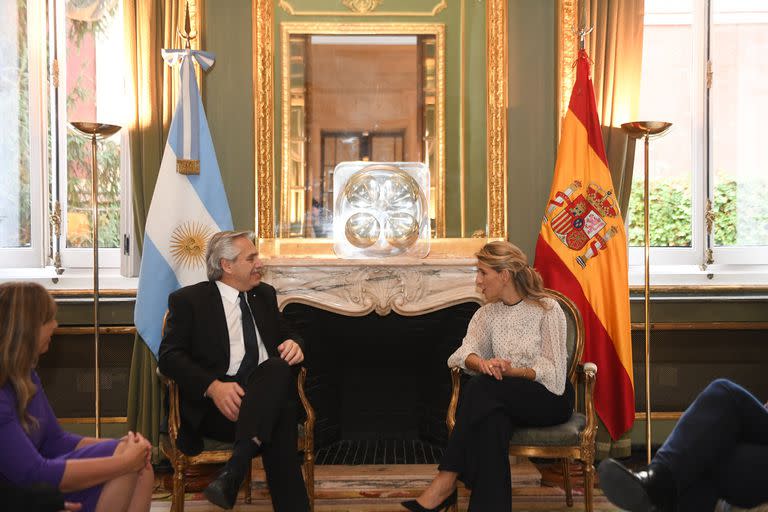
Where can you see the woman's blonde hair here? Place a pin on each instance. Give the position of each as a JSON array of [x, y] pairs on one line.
[[24, 308], [502, 256]]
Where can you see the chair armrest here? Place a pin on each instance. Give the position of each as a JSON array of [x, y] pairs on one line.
[[450, 417], [588, 371], [309, 422], [163, 379]]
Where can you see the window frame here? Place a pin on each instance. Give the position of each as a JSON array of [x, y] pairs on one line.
[[23, 256], [44, 180], [74, 257], [696, 259]]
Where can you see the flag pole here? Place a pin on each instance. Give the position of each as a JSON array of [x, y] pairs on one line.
[[583, 30], [644, 130]]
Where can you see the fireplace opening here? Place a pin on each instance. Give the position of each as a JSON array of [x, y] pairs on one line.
[[379, 384]]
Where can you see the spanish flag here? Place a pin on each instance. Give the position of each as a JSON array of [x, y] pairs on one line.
[[582, 252]]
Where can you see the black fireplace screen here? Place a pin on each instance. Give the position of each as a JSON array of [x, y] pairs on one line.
[[379, 382]]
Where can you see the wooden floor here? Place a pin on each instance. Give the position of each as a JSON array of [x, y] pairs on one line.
[[380, 488]]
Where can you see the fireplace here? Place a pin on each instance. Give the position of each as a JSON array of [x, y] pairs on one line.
[[378, 337], [380, 378]]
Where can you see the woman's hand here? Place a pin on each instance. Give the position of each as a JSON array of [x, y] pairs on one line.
[[136, 452], [495, 367], [148, 462]]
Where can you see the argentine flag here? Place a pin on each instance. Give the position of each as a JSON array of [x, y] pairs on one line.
[[188, 206]]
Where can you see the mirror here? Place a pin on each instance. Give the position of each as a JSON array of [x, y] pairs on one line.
[[369, 93], [327, 91]]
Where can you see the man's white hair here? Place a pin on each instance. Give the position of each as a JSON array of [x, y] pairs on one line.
[[221, 246]]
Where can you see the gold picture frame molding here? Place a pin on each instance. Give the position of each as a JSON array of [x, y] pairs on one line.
[[362, 8], [496, 126]]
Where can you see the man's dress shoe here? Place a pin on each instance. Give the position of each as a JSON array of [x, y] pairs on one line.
[[650, 490], [223, 491], [414, 505]]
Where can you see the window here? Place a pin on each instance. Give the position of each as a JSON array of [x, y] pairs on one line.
[[61, 61], [704, 69], [22, 68]]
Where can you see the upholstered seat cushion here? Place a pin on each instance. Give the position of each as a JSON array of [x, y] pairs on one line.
[[565, 434]]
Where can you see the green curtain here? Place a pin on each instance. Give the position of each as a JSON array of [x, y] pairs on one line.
[[616, 47], [150, 25]]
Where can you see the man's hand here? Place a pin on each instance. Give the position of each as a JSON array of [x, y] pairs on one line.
[[227, 397], [290, 352]]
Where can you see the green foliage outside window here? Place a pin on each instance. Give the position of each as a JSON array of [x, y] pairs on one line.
[[670, 213], [79, 191], [746, 225]]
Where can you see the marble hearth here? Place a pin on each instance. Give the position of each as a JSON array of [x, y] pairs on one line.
[[378, 334]]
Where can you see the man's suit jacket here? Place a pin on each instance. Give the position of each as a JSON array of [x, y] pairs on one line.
[[195, 347]]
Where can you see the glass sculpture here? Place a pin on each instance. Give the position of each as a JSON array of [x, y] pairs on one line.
[[380, 209]]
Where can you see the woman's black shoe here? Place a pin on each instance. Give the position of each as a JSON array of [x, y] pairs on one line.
[[414, 505]]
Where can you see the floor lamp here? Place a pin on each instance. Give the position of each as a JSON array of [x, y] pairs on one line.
[[645, 130], [95, 131]]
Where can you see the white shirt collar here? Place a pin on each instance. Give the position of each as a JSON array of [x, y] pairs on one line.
[[227, 292]]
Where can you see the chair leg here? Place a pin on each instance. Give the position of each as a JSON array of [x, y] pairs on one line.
[[309, 477], [179, 485], [248, 483], [567, 481], [589, 484]]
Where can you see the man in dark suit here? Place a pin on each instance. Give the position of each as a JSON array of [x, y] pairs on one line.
[[717, 450], [230, 350]]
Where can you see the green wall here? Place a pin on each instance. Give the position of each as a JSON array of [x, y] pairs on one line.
[[532, 117]]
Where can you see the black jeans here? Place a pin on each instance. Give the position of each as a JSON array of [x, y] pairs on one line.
[[489, 411], [269, 412], [719, 450]]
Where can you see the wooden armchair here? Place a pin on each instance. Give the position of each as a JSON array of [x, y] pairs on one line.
[[574, 439], [217, 452]]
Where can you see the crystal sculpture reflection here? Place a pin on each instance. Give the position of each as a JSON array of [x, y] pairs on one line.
[[381, 209]]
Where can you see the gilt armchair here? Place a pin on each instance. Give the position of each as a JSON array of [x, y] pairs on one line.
[[572, 440], [217, 452]]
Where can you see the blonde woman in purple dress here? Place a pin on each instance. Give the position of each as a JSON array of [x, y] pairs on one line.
[[101, 475]]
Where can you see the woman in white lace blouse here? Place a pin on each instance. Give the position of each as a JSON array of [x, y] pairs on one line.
[[515, 350]]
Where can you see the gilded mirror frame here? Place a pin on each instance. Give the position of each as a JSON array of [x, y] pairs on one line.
[[363, 28], [496, 114]]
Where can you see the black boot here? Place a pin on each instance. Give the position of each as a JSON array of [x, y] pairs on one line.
[[414, 505], [223, 490], [651, 490]]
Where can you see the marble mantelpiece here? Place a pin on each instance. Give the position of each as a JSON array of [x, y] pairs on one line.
[[406, 286]]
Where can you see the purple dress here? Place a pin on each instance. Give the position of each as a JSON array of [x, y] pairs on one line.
[[39, 457]]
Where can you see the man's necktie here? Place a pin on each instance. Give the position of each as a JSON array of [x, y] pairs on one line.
[[251, 358]]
